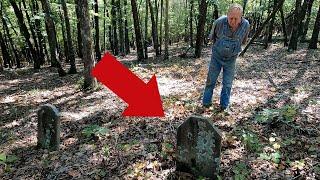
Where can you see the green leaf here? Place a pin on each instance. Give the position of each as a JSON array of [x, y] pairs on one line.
[[95, 130], [265, 156], [276, 157], [12, 158], [3, 157]]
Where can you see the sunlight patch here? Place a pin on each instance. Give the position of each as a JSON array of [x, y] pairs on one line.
[[76, 115], [169, 86]]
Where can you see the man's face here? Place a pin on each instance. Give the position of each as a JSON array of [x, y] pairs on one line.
[[234, 18]]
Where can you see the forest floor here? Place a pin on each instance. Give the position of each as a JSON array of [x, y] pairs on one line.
[[272, 133]]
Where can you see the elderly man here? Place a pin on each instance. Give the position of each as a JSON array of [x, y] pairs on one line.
[[228, 33]]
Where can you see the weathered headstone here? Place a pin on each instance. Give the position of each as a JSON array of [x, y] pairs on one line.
[[198, 147], [48, 127]]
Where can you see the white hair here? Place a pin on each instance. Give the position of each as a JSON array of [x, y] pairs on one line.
[[235, 6]]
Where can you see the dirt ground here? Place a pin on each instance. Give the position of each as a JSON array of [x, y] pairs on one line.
[[273, 131]]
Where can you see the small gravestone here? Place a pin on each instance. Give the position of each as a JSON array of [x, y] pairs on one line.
[[48, 127], [198, 147]]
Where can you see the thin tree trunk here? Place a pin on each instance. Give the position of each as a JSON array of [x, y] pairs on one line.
[[25, 32], [161, 18], [87, 50], [154, 30], [137, 29], [293, 44], [271, 25], [97, 34], [186, 24], [200, 28], [37, 24], [110, 35], [306, 24], [191, 23], [64, 38], [284, 29], [1, 63], [121, 29], [244, 6], [70, 53], [145, 44], [52, 39], [315, 33], [104, 25], [303, 12], [33, 34], [5, 52], [114, 26], [257, 33], [78, 29], [166, 29], [7, 32], [126, 31]]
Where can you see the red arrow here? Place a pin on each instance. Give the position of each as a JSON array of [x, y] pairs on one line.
[[143, 99]]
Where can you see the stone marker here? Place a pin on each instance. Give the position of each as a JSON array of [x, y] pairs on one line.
[[48, 127], [198, 147]]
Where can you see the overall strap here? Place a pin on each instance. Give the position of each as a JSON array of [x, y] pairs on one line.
[[241, 32]]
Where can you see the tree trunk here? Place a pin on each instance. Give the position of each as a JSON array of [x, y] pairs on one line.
[[64, 38], [154, 30], [137, 29], [114, 26], [303, 12], [200, 28], [87, 50], [79, 40], [161, 22], [284, 29], [1, 64], [190, 23], [126, 31], [306, 24], [104, 25], [244, 6], [7, 32], [315, 33], [37, 25], [120, 21], [145, 44], [70, 52], [32, 28], [267, 28], [294, 34], [271, 24], [5, 52], [110, 34], [97, 34], [52, 39], [257, 33], [166, 29], [186, 24], [25, 32]]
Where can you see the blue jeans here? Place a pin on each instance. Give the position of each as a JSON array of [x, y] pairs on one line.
[[215, 66]]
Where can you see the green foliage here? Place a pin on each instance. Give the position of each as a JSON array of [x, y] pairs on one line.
[[167, 149], [241, 172], [251, 141], [3, 158], [8, 159], [94, 130], [274, 157], [286, 113], [106, 150], [80, 83]]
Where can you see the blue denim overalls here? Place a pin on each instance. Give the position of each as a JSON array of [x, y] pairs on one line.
[[224, 53]]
